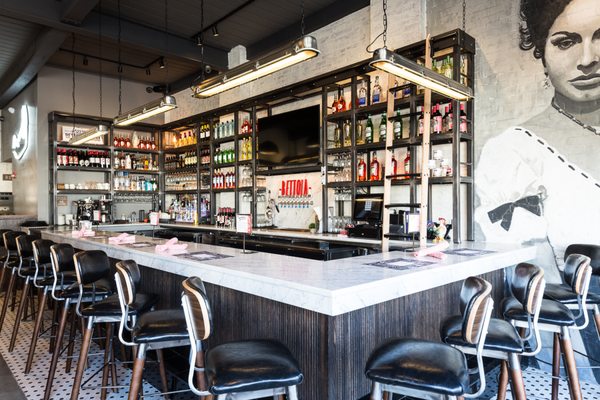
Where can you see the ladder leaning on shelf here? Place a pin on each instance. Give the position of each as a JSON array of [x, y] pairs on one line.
[[387, 187]]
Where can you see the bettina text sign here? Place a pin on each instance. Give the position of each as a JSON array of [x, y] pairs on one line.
[[20, 138]]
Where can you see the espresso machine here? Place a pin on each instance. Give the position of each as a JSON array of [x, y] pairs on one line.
[[97, 211]]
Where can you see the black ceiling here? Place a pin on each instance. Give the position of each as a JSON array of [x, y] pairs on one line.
[[147, 37]]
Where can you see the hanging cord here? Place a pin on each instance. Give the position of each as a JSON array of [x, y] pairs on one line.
[[382, 34], [302, 19], [120, 67], [201, 44], [73, 77], [167, 44], [100, 52], [464, 15]]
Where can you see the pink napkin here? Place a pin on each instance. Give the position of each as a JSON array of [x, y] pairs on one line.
[[123, 238], [82, 232], [171, 247], [433, 251]]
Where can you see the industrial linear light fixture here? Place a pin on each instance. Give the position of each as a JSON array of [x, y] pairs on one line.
[[155, 107], [395, 64], [300, 50], [90, 134]]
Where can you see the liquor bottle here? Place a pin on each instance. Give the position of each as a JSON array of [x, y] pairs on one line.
[[362, 95], [347, 133], [394, 165], [334, 106], [449, 67], [374, 168], [127, 161], [398, 126], [376, 91], [116, 141], [383, 128], [369, 130], [421, 123], [341, 103], [361, 170], [121, 142], [447, 120], [463, 120], [407, 164], [337, 132], [437, 120], [360, 133]]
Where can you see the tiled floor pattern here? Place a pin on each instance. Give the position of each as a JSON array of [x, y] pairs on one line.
[[538, 386], [33, 384]]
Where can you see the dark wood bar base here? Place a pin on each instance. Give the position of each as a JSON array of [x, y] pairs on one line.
[[332, 350]]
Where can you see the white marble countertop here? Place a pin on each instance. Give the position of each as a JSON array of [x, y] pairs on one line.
[[17, 216], [327, 287]]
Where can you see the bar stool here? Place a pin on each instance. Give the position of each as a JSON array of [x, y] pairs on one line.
[[97, 289], [503, 341], [27, 271], [565, 295], [153, 330], [90, 267], [424, 369], [11, 264], [43, 256], [557, 318], [249, 369], [3, 257]]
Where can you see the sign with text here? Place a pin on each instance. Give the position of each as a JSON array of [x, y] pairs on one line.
[[68, 131], [243, 223]]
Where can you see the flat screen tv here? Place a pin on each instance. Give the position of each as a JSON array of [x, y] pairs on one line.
[[290, 139]]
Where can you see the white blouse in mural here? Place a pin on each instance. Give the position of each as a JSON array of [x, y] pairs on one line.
[[514, 168]]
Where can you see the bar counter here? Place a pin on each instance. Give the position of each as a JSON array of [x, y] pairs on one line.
[[331, 314]]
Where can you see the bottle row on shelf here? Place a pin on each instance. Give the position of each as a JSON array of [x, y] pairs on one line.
[[181, 181], [246, 149], [224, 156], [135, 142], [442, 120], [183, 208], [82, 158], [183, 160], [136, 162], [223, 179], [123, 181], [184, 138]]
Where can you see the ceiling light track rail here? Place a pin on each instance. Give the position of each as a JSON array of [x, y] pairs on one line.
[[156, 61]]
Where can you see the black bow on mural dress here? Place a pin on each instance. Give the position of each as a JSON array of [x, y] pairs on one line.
[[504, 212]]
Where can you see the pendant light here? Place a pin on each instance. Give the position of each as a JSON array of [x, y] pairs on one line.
[[395, 64], [155, 107], [299, 50], [101, 129]]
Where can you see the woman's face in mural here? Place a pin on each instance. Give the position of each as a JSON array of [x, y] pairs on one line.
[[572, 54]]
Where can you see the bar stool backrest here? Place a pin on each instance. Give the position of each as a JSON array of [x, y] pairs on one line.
[[62, 257], [2, 232], [527, 286], [128, 276], [25, 245], [10, 240], [577, 273], [41, 251], [91, 266], [474, 298], [197, 309], [590, 250]]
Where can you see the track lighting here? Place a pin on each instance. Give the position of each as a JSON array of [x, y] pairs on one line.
[[85, 61], [215, 32], [161, 63]]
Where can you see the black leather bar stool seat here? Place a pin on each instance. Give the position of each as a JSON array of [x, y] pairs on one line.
[[425, 369], [246, 369], [552, 312], [421, 365], [501, 336], [159, 326], [250, 365]]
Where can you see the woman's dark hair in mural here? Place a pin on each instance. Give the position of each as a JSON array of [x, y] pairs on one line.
[[537, 17]]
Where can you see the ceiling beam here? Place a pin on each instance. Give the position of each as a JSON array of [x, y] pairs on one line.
[[49, 14], [317, 20], [28, 64], [73, 12]]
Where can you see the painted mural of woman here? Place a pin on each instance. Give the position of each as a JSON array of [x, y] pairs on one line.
[[539, 182]]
